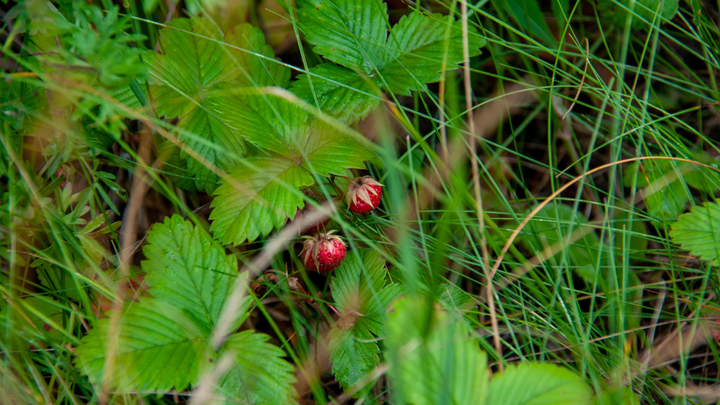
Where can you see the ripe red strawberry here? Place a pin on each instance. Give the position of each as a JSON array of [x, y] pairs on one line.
[[323, 252], [363, 194]]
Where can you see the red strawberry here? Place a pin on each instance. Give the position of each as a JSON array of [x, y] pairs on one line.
[[323, 252], [363, 195]]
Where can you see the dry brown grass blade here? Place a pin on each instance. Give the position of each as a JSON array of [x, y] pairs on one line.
[[681, 341], [709, 394]]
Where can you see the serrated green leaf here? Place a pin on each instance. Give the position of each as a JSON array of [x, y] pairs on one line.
[[538, 384], [348, 32], [262, 195], [354, 35], [260, 375], [699, 232], [423, 43], [187, 269], [432, 358], [154, 351], [361, 295], [341, 93], [263, 191], [182, 81], [256, 71], [190, 276]]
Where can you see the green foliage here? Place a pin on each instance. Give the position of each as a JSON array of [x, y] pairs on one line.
[[699, 232], [536, 384], [432, 356], [361, 294], [617, 12], [263, 192], [355, 35], [185, 83], [528, 15], [553, 225], [162, 341]]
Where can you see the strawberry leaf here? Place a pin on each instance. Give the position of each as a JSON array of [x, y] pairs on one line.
[[538, 383], [348, 32], [260, 375], [699, 232], [255, 70], [354, 35], [154, 351], [341, 93], [162, 340], [262, 193], [184, 79], [361, 295], [422, 43], [432, 357]]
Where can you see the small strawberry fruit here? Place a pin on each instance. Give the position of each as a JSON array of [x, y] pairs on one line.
[[363, 194], [323, 252]]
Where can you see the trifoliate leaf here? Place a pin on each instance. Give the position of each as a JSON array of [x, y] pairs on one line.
[[538, 384], [354, 34], [423, 43], [260, 375], [255, 70], [699, 232], [432, 357], [341, 93], [190, 276], [182, 82], [351, 33], [361, 295], [262, 193]]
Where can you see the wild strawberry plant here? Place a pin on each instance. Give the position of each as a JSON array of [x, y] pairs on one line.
[[387, 300]]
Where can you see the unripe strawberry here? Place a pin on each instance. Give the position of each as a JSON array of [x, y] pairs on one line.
[[323, 252], [363, 194]]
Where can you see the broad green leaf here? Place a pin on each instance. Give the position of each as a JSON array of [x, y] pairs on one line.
[[699, 232], [552, 225], [538, 384], [361, 295], [255, 70], [341, 93], [155, 352], [348, 32], [530, 17], [187, 269], [260, 375], [432, 357], [664, 194], [262, 194], [700, 177], [617, 11], [182, 82], [354, 34], [161, 339], [418, 46]]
